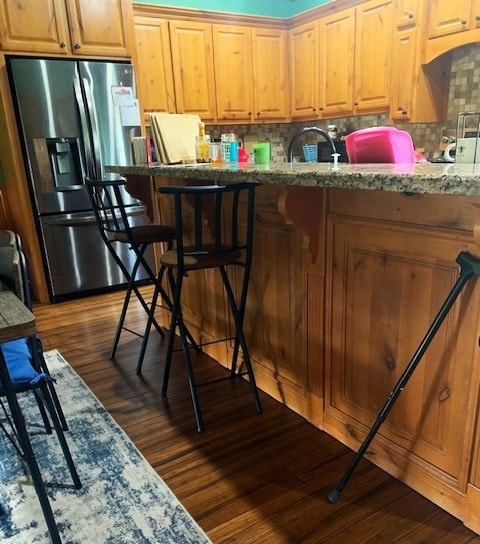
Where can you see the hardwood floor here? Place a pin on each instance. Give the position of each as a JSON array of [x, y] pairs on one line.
[[248, 478]]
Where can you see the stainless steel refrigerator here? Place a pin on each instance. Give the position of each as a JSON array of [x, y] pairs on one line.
[[74, 118]]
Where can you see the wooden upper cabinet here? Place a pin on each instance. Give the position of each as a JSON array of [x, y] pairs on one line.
[[192, 58], [233, 71], [373, 47], [269, 47], [407, 13], [154, 65], [36, 27], [418, 93], [98, 27], [81, 27], [336, 71], [476, 14], [449, 17], [303, 58], [405, 55], [451, 25]]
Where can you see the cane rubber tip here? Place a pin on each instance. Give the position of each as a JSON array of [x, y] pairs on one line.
[[334, 496]]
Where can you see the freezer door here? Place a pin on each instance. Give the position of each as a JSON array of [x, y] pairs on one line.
[[77, 261], [51, 133]]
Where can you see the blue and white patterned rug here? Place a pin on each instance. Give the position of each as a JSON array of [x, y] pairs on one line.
[[122, 500]]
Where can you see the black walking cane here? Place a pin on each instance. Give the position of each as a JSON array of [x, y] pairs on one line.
[[469, 267]]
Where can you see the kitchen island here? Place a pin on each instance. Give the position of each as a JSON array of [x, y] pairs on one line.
[[351, 265]]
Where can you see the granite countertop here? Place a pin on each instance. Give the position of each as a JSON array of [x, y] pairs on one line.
[[455, 179]]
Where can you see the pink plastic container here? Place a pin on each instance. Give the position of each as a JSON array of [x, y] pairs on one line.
[[380, 144]]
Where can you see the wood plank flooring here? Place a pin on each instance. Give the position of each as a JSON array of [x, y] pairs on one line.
[[248, 478]]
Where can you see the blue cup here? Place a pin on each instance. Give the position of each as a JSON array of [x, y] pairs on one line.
[[234, 151]]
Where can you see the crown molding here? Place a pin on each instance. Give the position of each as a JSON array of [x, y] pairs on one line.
[[205, 16], [321, 11]]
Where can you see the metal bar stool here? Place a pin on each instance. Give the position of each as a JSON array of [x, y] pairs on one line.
[[115, 227], [229, 244]]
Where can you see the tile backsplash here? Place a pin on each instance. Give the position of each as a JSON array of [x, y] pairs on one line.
[[464, 95]]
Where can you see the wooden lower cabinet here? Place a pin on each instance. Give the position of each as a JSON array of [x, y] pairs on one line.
[[386, 281], [344, 287], [274, 321]]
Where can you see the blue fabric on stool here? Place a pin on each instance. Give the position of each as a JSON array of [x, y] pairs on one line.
[[19, 363]]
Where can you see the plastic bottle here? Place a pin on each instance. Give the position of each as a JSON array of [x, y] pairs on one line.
[[226, 145], [234, 151], [201, 144], [215, 151]]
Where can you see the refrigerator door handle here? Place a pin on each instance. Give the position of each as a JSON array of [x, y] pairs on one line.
[[93, 124], [84, 125]]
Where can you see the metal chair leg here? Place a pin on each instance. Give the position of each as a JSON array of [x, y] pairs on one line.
[[60, 436], [131, 287], [150, 319], [238, 314], [177, 320], [36, 349], [29, 457], [469, 267], [176, 289]]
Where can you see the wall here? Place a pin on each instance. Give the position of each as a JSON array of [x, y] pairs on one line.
[[268, 8], [464, 95]]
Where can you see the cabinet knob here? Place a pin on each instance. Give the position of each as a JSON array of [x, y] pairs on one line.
[[355, 103], [78, 45], [249, 113], [320, 108], [259, 113], [404, 112], [409, 15], [63, 45], [314, 109], [477, 18], [464, 22]]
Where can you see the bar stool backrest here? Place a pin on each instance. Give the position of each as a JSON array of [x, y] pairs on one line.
[[210, 223], [108, 207]]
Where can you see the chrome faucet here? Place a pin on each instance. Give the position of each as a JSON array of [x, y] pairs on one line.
[[297, 135]]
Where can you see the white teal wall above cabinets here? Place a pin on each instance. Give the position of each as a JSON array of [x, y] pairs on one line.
[[267, 8]]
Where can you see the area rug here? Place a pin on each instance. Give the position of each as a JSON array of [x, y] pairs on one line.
[[122, 500]]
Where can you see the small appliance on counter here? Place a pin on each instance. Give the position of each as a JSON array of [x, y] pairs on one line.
[[324, 151], [467, 150]]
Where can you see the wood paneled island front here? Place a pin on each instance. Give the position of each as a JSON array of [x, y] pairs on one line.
[[351, 265]]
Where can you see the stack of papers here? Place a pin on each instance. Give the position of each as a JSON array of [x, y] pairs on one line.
[[174, 137]]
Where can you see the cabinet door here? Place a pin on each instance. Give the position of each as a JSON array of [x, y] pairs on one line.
[[269, 48], [476, 13], [154, 65], [303, 56], [387, 284], [448, 17], [37, 27], [407, 13], [373, 47], [97, 27], [336, 71], [192, 58], [405, 71], [232, 46]]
